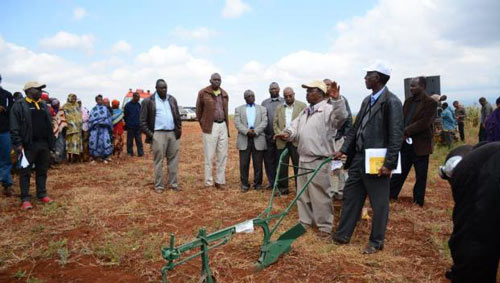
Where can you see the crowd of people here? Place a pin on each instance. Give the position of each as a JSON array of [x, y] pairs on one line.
[[36, 128], [449, 124], [37, 125]]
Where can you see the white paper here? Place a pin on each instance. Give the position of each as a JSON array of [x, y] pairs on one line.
[[409, 141], [244, 227], [379, 155], [24, 160], [335, 164]]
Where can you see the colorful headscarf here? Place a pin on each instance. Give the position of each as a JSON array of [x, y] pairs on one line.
[[73, 115], [115, 103]]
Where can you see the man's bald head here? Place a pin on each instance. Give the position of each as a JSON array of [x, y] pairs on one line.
[[249, 96], [248, 92], [289, 95], [215, 81]]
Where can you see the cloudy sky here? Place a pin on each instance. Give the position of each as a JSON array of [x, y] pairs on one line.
[[91, 47]]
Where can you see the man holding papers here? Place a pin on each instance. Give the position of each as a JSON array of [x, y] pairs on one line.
[[379, 124], [32, 136]]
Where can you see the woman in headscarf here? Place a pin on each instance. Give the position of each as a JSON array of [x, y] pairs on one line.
[[74, 130], [59, 129], [118, 128], [85, 131], [100, 125]]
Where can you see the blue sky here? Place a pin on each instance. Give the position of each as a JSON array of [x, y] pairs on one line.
[[91, 47]]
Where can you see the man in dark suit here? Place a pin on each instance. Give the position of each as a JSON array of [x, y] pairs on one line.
[[250, 121], [419, 111], [379, 125]]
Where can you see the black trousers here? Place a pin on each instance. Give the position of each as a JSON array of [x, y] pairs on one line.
[[283, 174], [461, 130], [421, 164], [482, 133], [357, 187], [256, 156], [134, 134], [271, 160], [39, 156]]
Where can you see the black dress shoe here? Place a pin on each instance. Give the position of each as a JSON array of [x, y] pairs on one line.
[[340, 240], [257, 187], [371, 250], [219, 186]]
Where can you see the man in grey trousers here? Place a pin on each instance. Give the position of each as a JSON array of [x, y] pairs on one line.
[[379, 125], [161, 122]]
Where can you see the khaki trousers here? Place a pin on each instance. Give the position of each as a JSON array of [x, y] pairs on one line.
[[165, 145], [315, 204], [216, 144]]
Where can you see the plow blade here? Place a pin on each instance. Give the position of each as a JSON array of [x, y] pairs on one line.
[[272, 250]]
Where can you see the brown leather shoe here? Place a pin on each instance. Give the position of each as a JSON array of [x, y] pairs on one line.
[[371, 250], [219, 186]]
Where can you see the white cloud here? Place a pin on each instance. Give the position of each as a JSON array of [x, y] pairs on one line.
[[235, 8], [184, 73], [79, 13], [201, 33], [121, 47], [65, 40]]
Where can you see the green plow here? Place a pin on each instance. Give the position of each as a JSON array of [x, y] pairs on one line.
[[270, 250]]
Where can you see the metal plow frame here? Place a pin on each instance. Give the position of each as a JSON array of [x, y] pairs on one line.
[[270, 250]]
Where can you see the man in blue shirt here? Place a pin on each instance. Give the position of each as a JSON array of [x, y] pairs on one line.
[[133, 125], [161, 122], [250, 121]]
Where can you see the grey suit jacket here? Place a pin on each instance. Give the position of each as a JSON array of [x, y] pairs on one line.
[[241, 123]]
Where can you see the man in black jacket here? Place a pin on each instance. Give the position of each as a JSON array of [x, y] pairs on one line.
[[31, 134], [6, 102], [475, 184], [379, 125], [161, 122]]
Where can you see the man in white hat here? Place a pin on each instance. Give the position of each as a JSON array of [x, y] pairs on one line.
[[31, 134], [379, 125], [314, 130]]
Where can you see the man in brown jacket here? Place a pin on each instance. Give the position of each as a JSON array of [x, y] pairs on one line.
[[211, 110], [419, 112]]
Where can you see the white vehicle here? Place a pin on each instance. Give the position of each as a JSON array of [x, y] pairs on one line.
[[187, 114]]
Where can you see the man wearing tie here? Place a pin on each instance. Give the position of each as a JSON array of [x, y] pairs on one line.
[[250, 121], [379, 125]]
